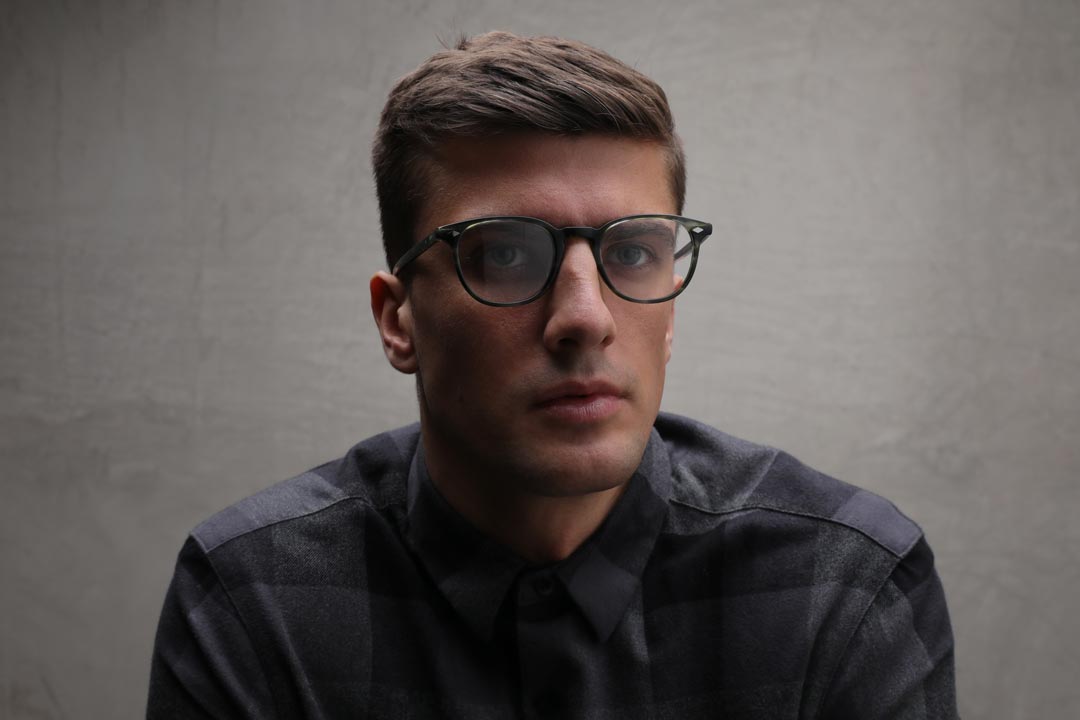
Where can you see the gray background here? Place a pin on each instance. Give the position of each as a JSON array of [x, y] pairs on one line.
[[187, 227]]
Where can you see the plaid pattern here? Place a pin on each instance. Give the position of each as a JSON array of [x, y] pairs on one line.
[[729, 581]]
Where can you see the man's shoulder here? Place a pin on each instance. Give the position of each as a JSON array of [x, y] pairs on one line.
[[372, 474], [718, 474]]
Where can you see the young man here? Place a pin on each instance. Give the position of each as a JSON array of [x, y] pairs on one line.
[[545, 543]]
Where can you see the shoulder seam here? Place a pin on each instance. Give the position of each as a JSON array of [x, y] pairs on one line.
[[236, 611], [787, 511], [209, 549], [854, 631]]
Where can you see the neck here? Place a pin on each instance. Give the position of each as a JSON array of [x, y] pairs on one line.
[[539, 528]]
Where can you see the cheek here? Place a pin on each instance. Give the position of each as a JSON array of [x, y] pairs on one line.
[[650, 335], [650, 353], [469, 352]]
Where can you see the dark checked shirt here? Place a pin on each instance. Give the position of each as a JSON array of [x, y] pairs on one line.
[[729, 581]]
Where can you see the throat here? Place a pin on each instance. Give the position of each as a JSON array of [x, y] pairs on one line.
[[539, 529]]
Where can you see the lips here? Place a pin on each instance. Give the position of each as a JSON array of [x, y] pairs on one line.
[[572, 390], [581, 401]]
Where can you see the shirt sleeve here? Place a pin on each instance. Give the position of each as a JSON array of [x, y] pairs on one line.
[[204, 664], [899, 662]]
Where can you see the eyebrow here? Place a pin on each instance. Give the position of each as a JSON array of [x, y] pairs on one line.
[[636, 228]]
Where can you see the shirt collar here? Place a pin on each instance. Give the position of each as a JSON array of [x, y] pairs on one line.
[[474, 572]]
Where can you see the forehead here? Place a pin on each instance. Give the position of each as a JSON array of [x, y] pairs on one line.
[[582, 180]]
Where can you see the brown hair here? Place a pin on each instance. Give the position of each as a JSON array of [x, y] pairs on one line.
[[500, 83]]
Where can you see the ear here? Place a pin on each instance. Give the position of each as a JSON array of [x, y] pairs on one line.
[[670, 334], [393, 315]]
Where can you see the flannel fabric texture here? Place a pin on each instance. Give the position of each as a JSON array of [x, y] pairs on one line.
[[729, 581]]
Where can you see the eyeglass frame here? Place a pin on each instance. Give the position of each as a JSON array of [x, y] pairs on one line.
[[698, 231]]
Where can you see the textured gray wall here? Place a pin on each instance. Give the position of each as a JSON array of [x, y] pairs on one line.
[[187, 226]]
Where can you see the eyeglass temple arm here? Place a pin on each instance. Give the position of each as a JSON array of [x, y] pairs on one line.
[[415, 251]]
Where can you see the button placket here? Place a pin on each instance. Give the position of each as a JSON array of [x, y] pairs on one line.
[[544, 632]]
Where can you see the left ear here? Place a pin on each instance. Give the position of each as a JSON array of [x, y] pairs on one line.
[[670, 334]]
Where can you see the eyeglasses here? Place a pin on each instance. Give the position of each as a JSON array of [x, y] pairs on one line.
[[505, 261]]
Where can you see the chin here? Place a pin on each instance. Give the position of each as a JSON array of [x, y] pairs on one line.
[[580, 471], [565, 486]]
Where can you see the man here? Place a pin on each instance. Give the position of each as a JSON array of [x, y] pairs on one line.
[[545, 543]]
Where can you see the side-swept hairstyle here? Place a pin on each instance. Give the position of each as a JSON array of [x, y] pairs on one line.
[[500, 83]]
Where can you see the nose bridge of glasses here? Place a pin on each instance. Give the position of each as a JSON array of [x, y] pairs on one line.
[[566, 234], [589, 233]]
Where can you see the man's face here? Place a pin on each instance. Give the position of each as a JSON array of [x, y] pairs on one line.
[[556, 397]]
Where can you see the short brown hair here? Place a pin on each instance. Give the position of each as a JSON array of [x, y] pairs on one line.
[[499, 83]]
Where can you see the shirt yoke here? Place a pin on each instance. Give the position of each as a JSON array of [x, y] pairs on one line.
[[373, 472], [718, 474]]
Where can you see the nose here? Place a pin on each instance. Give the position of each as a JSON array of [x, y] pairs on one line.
[[577, 313]]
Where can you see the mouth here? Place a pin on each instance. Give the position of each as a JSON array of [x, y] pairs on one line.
[[581, 402]]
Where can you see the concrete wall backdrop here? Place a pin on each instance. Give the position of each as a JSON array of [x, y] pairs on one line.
[[187, 226]]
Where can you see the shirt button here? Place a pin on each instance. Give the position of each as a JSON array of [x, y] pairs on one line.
[[543, 586]]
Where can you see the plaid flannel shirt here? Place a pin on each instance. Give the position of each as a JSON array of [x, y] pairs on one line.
[[729, 581]]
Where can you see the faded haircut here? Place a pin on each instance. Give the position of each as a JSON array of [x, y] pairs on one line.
[[501, 83]]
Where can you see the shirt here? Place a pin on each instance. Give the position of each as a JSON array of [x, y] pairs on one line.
[[728, 581]]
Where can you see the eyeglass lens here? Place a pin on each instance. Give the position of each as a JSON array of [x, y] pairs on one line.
[[506, 261]]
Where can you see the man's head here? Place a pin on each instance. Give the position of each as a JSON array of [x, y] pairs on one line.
[[555, 398], [499, 84]]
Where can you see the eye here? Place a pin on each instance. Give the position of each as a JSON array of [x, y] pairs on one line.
[[629, 255], [505, 255]]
